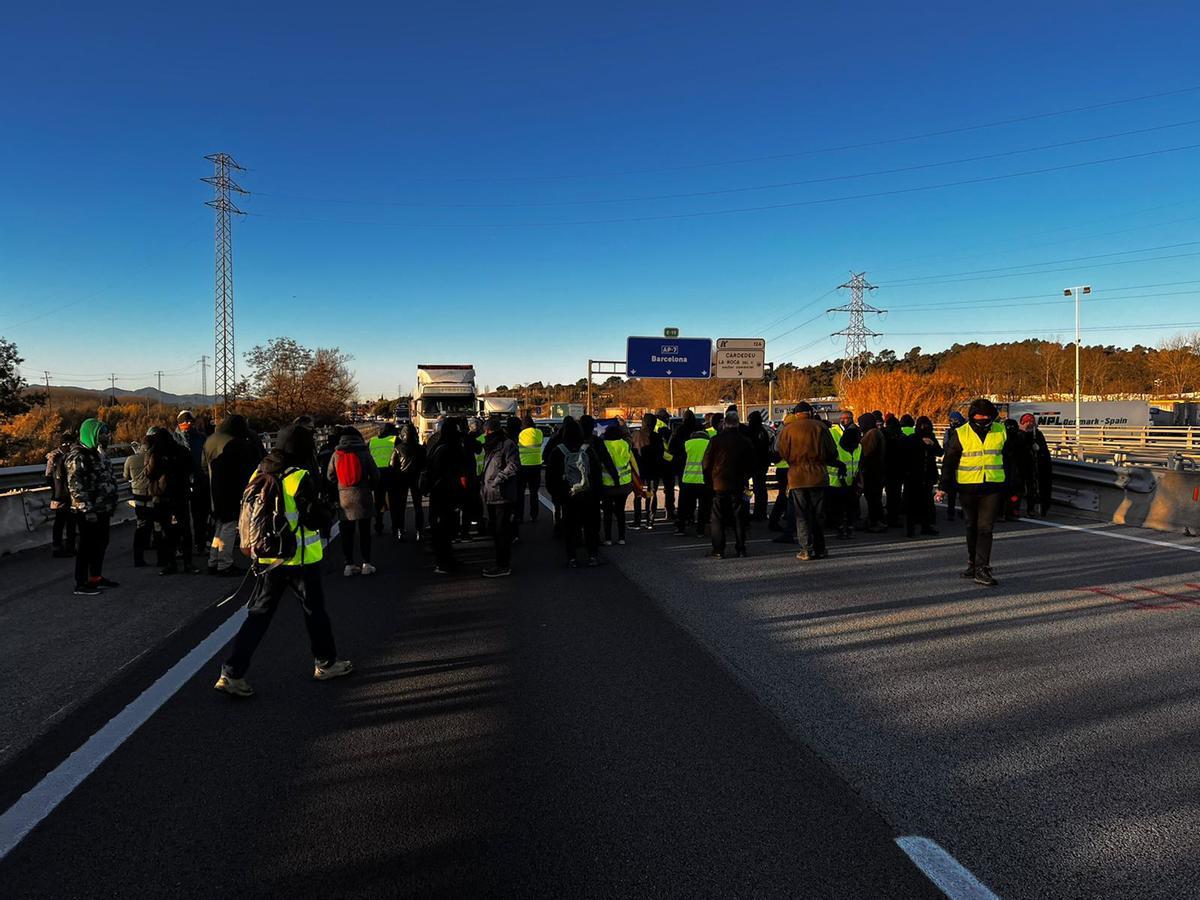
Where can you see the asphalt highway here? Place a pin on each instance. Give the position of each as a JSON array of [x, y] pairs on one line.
[[551, 734]]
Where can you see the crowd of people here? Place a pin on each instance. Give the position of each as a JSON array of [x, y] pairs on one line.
[[198, 494]]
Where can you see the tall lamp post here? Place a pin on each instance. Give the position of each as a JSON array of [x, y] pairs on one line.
[[1067, 292]]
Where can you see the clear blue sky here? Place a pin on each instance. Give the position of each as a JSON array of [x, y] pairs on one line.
[[406, 161]]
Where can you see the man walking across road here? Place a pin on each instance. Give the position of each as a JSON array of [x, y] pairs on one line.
[[306, 516], [979, 462], [727, 465], [808, 448]]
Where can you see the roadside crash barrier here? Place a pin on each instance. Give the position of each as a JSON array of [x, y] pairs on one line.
[[1158, 498]]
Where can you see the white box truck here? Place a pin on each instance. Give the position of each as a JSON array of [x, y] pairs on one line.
[[442, 390]]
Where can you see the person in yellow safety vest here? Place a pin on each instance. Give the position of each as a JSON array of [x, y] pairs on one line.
[[381, 447], [908, 425], [979, 463], [695, 497], [529, 445], [306, 516], [714, 424], [669, 469], [845, 420], [617, 468], [842, 494]]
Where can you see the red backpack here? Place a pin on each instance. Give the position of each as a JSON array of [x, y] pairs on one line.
[[349, 468]]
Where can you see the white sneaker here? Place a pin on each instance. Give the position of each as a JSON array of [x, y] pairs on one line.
[[350, 570], [237, 687], [368, 569], [335, 669]]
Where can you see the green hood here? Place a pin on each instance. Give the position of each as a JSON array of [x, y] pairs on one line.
[[90, 431]]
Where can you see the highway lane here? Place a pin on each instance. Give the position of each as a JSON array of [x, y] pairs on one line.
[[1045, 732], [551, 734]]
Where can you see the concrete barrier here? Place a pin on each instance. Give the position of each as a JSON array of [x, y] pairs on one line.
[[1161, 499], [25, 518]]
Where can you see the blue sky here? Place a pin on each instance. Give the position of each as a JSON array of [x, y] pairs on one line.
[[413, 168]]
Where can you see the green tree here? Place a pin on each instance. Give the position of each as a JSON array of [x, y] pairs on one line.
[[14, 395]]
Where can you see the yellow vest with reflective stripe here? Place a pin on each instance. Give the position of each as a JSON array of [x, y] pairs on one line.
[[662, 426], [529, 445], [712, 432], [836, 431], [851, 462], [622, 458], [381, 450], [982, 460], [693, 468], [308, 543], [480, 454], [909, 430]]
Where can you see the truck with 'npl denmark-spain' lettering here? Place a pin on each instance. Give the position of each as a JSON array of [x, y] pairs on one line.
[[443, 390]]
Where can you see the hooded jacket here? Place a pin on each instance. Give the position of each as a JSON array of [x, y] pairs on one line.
[[231, 454], [356, 501], [408, 459], [168, 469], [728, 461], [874, 452], [807, 447], [501, 466], [954, 451], [90, 481]]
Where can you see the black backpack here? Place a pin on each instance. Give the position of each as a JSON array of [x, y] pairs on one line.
[[263, 528]]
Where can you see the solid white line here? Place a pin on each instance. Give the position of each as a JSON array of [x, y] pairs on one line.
[[24, 815], [1116, 535], [950, 876]]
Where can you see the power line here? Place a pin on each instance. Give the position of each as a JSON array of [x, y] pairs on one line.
[[761, 208]]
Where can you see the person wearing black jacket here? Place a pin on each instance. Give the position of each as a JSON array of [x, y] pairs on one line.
[[231, 454], [727, 465], [760, 443], [294, 449], [648, 454], [893, 469], [62, 537], [581, 507], [169, 471], [676, 450], [1039, 476], [447, 479], [552, 442], [662, 425], [408, 460], [921, 452], [983, 486]]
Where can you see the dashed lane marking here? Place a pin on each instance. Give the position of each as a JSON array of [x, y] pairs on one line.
[[24, 815], [951, 877]]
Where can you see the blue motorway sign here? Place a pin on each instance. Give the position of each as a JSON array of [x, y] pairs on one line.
[[656, 357]]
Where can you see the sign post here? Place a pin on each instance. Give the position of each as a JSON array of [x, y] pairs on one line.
[[739, 358]]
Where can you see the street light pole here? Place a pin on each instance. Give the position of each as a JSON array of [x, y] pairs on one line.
[[1079, 289]]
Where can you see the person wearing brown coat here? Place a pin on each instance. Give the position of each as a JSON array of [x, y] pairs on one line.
[[728, 463], [808, 448]]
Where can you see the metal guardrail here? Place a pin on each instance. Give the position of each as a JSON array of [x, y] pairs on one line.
[[24, 478], [1177, 447]]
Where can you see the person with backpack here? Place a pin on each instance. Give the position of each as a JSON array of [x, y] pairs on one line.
[[573, 476], [169, 477], [283, 515], [352, 469], [62, 534], [618, 469], [648, 459], [93, 491], [408, 461], [448, 474], [501, 492]]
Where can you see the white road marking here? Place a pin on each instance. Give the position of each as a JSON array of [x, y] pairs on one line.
[[24, 815], [950, 876], [1115, 535]]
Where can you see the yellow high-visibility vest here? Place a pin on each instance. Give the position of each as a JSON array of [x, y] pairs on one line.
[[982, 460], [308, 543], [381, 450], [529, 445], [712, 432], [908, 430], [837, 431], [622, 458], [850, 460], [665, 429], [480, 454], [693, 468]]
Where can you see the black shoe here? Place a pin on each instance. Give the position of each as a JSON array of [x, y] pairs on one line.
[[773, 526], [189, 569], [784, 538], [821, 554], [742, 553], [983, 575], [86, 590], [969, 572], [169, 570], [679, 532], [212, 570], [929, 531], [107, 583], [593, 562], [61, 553]]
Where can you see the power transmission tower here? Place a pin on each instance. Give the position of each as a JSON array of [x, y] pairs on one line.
[[113, 380], [856, 331], [49, 403], [159, 374], [224, 362], [204, 377]]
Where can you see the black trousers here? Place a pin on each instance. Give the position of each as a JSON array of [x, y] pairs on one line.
[[650, 502], [500, 516], [581, 523], [841, 506], [668, 486], [143, 530], [175, 530], [93, 542], [761, 494], [695, 505], [268, 590], [383, 492], [445, 526], [615, 500], [895, 499], [529, 480], [347, 530], [729, 511], [404, 486], [918, 506], [62, 532], [200, 506], [780, 506], [808, 506], [981, 512], [873, 491]]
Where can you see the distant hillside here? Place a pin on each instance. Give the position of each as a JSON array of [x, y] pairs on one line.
[[66, 395]]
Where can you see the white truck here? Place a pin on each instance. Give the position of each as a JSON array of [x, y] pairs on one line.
[[442, 390]]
